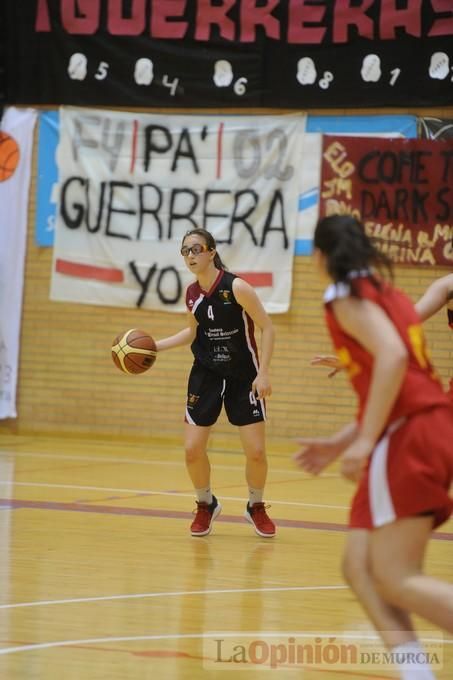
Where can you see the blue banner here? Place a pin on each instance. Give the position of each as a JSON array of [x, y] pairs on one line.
[[48, 131]]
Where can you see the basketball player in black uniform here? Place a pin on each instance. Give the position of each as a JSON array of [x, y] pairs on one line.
[[223, 310]]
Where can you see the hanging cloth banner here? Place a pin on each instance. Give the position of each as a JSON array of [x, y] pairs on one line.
[[16, 143], [230, 53], [402, 189], [131, 185], [310, 166], [360, 126]]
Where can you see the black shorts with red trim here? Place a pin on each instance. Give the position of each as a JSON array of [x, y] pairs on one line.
[[207, 392]]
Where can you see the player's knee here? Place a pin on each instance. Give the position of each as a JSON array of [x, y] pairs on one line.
[[389, 580], [257, 455], [193, 453], [354, 566]]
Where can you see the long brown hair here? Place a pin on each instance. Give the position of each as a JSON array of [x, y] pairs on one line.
[[342, 239]]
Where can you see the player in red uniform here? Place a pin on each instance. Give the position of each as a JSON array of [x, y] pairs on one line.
[[223, 310], [399, 450], [436, 296]]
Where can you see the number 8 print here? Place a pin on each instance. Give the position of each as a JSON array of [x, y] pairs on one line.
[[327, 78]]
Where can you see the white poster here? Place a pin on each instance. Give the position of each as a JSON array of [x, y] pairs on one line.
[[131, 185], [16, 142]]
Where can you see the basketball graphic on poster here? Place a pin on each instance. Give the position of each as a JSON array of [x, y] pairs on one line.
[[9, 156]]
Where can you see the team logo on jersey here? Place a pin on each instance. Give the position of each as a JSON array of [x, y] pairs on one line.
[[225, 295], [192, 399]]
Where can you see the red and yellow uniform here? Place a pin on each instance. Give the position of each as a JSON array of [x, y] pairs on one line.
[[450, 323], [411, 468]]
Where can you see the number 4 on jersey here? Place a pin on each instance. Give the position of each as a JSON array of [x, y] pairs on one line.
[[210, 313]]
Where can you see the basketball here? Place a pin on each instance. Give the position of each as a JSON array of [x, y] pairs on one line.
[[134, 351], [9, 156]]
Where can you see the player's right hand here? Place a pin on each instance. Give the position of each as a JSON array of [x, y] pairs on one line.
[[316, 454], [329, 360]]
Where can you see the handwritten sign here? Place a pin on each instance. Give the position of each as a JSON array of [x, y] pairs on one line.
[[131, 185], [402, 189]]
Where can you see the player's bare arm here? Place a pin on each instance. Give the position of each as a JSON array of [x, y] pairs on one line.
[[316, 454], [369, 325], [184, 337], [438, 294], [250, 302]]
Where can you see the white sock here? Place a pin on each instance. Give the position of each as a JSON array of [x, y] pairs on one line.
[[204, 495], [255, 495], [412, 654]]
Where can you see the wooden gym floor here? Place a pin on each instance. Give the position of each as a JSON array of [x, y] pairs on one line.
[[100, 578]]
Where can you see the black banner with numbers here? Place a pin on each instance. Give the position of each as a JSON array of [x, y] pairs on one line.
[[230, 53]]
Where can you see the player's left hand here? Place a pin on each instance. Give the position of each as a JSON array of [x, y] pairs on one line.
[[261, 386], [355, 458]]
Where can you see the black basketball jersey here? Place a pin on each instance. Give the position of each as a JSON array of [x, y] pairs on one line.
[[225, 339]]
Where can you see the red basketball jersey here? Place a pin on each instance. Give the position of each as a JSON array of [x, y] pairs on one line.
[[450, 323], [421, 387]]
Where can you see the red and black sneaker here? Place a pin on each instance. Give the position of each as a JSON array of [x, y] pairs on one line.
[[256, 514], [204, 516]]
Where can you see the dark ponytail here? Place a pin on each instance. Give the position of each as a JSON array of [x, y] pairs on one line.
[[210, 242], [342, 239]]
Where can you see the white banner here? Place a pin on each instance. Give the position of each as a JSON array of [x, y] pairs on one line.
[[16, 143], [131, 185]]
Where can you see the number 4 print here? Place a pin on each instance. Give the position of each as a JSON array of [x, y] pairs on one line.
[[210, 313], [173, 85]]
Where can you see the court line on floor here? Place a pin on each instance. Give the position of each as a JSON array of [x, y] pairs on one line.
[[16, 504], [173, 449], [197, 636], [172, 593], [139, 461], [154, 492]]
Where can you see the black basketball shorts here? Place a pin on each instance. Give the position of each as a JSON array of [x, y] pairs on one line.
[[207, 391]]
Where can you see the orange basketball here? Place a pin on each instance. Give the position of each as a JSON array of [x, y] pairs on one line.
[[9, 156], [134, 351]]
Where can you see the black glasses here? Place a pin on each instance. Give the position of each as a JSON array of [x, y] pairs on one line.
[[196, 249]]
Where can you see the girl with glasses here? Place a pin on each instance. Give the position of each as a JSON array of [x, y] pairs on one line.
[[222, 313], [399, 449]]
